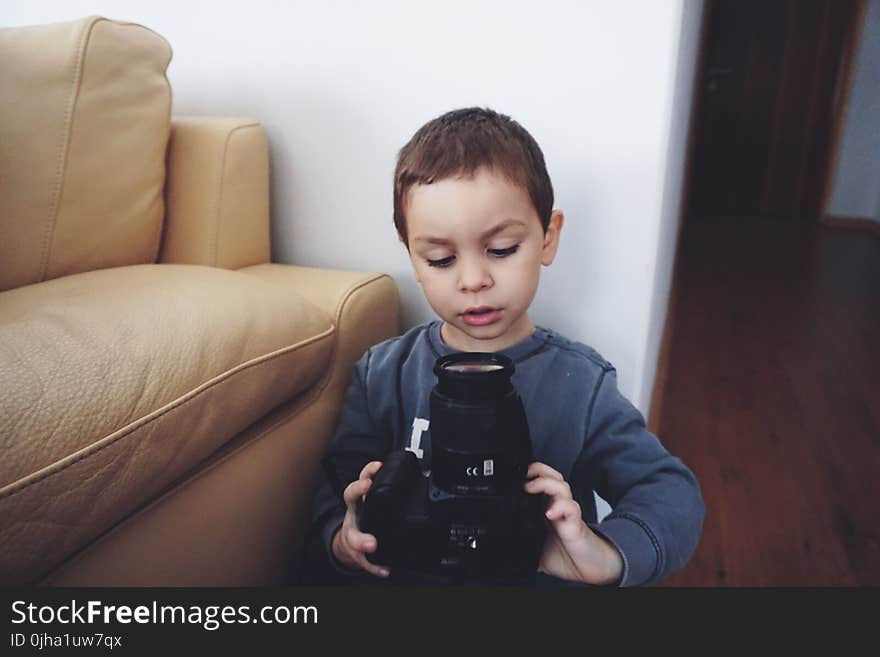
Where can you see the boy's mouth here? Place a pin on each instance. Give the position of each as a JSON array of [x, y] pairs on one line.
[[481, 316]]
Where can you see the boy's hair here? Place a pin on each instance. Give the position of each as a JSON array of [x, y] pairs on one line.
[[460, 142]]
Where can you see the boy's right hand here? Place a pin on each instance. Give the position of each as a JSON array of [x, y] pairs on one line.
[[350, 544]]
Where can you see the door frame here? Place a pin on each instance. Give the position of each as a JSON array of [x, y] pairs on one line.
[[843, 92]]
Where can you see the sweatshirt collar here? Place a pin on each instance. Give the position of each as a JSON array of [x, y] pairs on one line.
[[517, 352]]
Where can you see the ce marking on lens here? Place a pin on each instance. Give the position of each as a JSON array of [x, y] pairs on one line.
[[488, 469]]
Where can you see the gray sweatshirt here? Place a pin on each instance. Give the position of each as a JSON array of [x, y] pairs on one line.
[[580, 425]]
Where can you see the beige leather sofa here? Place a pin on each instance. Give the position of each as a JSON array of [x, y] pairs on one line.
[[166, 392]]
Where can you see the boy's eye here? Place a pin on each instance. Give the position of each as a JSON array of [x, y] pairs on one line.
[[501, 253], [442, 262], [496, 253]]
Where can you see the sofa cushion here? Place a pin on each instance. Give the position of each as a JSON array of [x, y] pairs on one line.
[[114, 383], [84, 123]]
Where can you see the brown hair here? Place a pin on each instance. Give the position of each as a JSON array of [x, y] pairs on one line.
[[460, 142]]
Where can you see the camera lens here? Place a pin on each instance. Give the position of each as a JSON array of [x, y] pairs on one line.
[[479, 434], [474, 376]]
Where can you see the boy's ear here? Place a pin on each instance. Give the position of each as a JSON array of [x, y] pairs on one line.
[[551, 237]]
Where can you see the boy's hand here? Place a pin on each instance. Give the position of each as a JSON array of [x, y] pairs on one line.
[[350, 544], [572, 550]]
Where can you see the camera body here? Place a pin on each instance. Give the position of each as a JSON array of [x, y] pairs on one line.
[[469, 518]]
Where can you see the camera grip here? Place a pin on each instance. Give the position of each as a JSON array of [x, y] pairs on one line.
[[386, 501]]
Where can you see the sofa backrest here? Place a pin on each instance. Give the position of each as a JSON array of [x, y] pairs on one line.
[[85, 115]]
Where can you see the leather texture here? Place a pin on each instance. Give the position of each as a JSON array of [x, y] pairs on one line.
[[84, 124], [217, 196], [124, 379], [239, 519]]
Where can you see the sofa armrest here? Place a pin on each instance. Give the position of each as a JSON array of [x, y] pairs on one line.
[[252, 496], [363, 306], [217, 193]]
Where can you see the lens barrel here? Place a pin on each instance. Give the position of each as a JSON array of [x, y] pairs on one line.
[[474, 376], [480, 436]]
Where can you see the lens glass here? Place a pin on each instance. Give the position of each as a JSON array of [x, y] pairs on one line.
[[472, 367]]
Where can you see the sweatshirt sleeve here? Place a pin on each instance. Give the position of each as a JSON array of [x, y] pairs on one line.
[[657, 508], [355, 443]]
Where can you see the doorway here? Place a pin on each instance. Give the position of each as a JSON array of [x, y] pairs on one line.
[[770, 392], [769, 103]]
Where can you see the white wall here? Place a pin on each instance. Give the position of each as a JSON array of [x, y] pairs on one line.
[[856, 191], [670, 216], [340, 86]]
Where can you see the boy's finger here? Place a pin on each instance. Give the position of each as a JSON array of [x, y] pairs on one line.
[[362, 542], [373, 569], [538, 469], [358, 545], [557, 488], [370, 470], [562, 510], [565, 516], [355, 490]]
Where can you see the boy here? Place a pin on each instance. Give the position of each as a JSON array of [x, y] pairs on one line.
[[473, 204]]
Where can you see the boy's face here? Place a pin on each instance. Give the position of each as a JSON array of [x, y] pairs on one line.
[[477, 246]]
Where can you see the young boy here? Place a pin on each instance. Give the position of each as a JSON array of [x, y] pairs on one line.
[[473, 204]]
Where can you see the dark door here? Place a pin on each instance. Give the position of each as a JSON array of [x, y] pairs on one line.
[[771, 91]]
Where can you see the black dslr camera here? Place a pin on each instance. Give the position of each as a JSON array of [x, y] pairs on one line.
[[470, 517]]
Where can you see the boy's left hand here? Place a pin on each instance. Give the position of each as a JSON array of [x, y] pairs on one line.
[[572, 550]]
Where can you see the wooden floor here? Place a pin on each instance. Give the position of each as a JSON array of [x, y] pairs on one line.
[[772, 397]]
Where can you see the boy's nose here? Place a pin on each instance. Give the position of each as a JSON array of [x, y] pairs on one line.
[[473, 277]]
